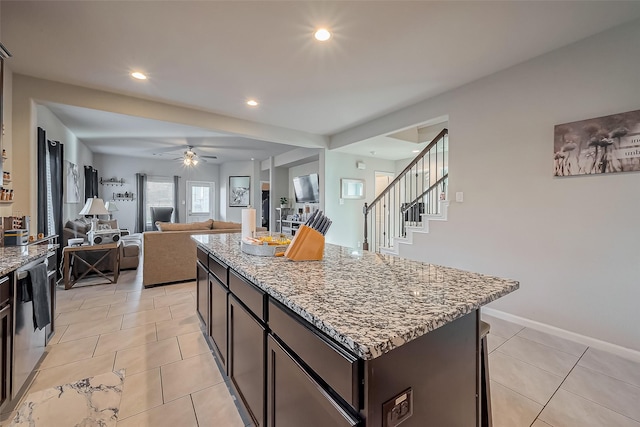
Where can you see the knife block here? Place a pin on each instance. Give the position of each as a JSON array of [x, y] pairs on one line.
[[307, 245]]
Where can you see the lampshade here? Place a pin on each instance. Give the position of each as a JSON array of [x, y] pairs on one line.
[[111, 206], [94, 206]]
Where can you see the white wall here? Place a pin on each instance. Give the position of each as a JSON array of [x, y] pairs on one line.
[[571, 242], [348, 221], [7, 120], [74, 151], [126, 168]]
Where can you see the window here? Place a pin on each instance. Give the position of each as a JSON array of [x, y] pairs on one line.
[[159, 192]]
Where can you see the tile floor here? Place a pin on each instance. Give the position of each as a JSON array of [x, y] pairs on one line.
[[171, 377], [541, 380], [537, 380]]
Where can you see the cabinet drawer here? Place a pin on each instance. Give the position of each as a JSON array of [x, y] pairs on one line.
[[203, 257], [295, 399], [335, 366], [248, 294], [219, 269]]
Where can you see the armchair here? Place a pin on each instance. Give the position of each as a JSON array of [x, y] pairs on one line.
[[162, 214]]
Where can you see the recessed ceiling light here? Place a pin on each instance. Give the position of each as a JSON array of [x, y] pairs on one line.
[[252, 103], [322, 35], [415, 151], [138, 75]]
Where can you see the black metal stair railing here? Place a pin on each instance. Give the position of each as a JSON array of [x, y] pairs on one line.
[[417, 190]]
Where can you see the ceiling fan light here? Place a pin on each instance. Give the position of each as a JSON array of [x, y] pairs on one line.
[[195, 162], [187, 161]]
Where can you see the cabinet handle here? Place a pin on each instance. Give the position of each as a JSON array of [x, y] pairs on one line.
[[7, 307], [4, 279]]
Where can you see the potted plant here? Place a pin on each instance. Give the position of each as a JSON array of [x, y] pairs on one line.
[[283, 202]]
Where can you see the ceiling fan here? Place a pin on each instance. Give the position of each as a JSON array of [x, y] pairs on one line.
[[190, 158]]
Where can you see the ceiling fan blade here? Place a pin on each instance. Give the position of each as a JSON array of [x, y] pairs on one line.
[[208, 157]]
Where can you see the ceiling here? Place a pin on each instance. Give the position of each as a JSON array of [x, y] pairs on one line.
[[214, 55], [118, 134]]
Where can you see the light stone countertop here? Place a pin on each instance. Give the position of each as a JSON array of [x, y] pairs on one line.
[[368, 302], [14, 257]]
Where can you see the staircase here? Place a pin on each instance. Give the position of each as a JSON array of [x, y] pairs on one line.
[[415, 197]]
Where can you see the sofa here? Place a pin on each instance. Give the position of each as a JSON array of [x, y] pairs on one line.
[[129, 246], [169, 255]]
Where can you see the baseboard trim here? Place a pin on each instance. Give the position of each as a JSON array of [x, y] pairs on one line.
[[618, 350]]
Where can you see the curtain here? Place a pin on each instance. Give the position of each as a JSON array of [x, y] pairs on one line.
[[90, 182], [42, 182], [141, 187], [176, 199], [50, 179]]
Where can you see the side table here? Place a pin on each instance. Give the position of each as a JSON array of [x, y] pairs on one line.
[[71, 254]]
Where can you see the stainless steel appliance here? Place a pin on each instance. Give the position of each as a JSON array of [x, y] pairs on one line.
[[28, 342]]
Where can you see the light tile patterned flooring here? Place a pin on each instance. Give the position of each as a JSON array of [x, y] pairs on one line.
[[172, 379], [171, 376], [541, 380]]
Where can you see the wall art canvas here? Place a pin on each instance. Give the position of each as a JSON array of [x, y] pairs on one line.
[[239, 191], [606, 144], [72, 183]]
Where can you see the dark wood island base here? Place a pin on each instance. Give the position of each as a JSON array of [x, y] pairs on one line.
[[289, 373]]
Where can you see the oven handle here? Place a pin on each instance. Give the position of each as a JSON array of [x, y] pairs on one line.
[[22, 274]]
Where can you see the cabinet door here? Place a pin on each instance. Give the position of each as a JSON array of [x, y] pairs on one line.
[[5, 353], [295, 399], [202, 294], [247, 359], [219, 318]]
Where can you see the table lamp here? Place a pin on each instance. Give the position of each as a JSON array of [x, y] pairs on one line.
[[95, 207], [111, 207]]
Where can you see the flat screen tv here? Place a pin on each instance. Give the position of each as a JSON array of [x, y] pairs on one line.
[[306, 188]]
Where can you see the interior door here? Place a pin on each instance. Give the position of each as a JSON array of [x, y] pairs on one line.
[[200, 200]]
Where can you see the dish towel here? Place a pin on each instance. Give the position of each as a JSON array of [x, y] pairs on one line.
[[41, 297]]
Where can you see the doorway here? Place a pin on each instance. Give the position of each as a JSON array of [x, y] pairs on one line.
[[383, 179], [200, 200]]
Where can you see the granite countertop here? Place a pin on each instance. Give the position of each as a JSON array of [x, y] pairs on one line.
[[368, 302], [14, 257]]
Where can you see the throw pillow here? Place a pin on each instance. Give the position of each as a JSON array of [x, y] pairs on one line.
[[107, 224], [78, 226]]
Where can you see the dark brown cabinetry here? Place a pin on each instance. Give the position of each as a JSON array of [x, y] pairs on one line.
[[219, 300], [202, 294], [246, 358], [289, 373], [295, 398], [6, 316]]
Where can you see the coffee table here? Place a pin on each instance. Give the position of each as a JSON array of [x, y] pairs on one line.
[[72, 254]]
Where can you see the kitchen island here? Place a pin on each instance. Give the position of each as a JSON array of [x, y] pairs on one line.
[[357, 338]]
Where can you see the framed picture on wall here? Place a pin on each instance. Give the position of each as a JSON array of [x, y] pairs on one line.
[[608, 144], [239, 191]]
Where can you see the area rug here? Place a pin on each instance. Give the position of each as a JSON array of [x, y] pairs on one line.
[[91, 402]]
